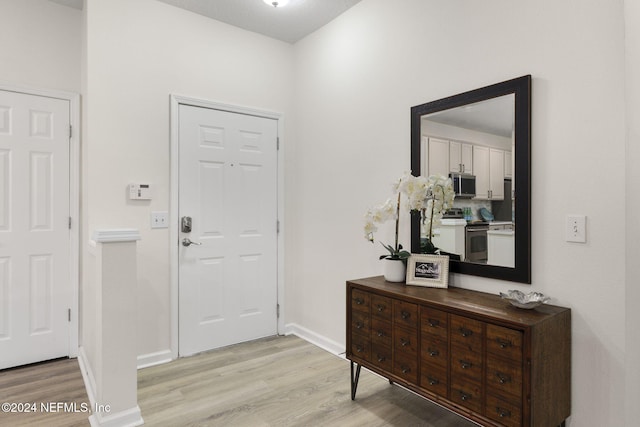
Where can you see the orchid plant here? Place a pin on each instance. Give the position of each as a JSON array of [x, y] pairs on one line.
[[429, 197]]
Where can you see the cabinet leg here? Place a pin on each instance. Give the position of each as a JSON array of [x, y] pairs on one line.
[[563, 424], [354, 380]]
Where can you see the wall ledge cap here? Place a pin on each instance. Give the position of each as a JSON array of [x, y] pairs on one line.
[[116, 235]]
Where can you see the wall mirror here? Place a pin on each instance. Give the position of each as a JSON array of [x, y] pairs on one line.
[[482, 139]]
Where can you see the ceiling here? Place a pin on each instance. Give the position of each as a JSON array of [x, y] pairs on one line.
[[494, 116], [290, 23]]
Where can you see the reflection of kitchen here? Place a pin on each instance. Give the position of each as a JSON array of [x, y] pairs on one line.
[[480, 231], [480, 227]]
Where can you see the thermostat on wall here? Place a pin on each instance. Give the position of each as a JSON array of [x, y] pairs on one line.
[[140, 191]]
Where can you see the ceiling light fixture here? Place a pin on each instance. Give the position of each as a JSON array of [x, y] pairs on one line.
[[278, 3]]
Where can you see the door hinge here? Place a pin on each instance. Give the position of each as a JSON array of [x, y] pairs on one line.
[[278, 226], [69, 223], [277, 143], [69, 315], [70, 131], [278, 311]]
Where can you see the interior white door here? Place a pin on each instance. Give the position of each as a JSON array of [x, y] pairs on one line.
[[228, 188], [35, 293]]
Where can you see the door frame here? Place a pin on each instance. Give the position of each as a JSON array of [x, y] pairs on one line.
[[74, 199], [175, 102]]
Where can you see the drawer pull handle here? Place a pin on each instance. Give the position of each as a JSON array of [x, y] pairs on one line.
[[381, 308], [405, 314], [406, 370], [433, 381], [465, 332], [465, 365], [359, 325], [404, 342], [504, 343], [503, 378], [502, 413], [359, 349], [433, 323], [381, 358], [433, 353], [359, 301], [464, 396], [380, 333]]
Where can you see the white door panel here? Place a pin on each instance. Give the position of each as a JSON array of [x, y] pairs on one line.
[[228, 186], [34, 234]]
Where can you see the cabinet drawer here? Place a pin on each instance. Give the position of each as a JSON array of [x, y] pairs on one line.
[[466, 363], [504, 377], [434, 379], [466, 332], [360, 300], [360, 347], [466, 393], [434, 322], [504, 412], [381, 332], [405, 314], [435, 351], [381, 307], [381, 357], [504, 342], [360, 323], [405, 342], [405, 367]]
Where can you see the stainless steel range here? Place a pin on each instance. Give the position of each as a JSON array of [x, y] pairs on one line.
[[476, 242]]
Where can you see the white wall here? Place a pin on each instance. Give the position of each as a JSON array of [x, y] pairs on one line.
[[632, 371], [353, 84], [356, 79], [138, 53], [40, 44]]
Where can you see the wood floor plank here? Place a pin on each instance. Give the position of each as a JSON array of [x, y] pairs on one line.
[[274, 382], [277, 381], [45, 385]]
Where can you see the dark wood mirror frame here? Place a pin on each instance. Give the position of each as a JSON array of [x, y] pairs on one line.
[[521, 88]]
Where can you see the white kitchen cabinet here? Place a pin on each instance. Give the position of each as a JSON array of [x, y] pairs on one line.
[[488, 167], [460, 157], [508, 164], [481, 171], [501, 248], [496, 174], [438, 157], [450, 236]]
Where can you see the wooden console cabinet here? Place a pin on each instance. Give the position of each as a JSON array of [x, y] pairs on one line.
[[468, 351]]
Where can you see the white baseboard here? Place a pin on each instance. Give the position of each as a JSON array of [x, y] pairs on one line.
[[129, 418], [153, 359], [315, 338], [87, 376]]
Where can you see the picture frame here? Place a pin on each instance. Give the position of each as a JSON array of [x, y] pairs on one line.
[[428, 270]]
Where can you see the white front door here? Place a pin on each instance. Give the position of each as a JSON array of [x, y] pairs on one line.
[[228, 193], [35, 293]]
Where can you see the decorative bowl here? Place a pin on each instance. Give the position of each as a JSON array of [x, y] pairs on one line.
[[521, 300]]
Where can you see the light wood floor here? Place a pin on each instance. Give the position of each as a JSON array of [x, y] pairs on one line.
[[44, 383], [276, 381]]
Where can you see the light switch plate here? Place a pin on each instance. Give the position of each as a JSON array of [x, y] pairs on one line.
[[576, 228], [160, 219]]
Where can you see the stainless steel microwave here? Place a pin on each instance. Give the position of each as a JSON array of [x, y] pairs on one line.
[[464, 185]]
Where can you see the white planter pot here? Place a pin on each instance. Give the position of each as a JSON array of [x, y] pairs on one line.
[[394, 270]]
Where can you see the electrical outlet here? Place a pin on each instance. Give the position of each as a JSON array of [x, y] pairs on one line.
[[160, 219], [576, 230]]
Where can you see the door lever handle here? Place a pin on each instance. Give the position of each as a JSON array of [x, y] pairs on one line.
[[187, 242]]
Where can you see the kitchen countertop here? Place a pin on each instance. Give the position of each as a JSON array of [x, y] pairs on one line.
[[453, 221], [500, 232]]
